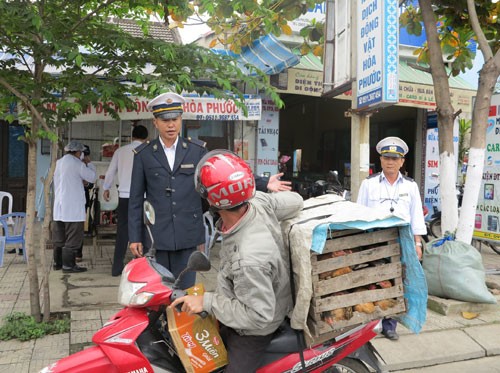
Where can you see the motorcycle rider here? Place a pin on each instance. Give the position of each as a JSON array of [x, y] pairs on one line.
[[253, 293]]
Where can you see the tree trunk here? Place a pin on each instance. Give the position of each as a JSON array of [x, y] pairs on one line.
[[487, 79], [30, 238], [446, 117]]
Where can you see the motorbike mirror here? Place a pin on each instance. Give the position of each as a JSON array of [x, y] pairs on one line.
[[149, 213], [198, 262], [149, 220]]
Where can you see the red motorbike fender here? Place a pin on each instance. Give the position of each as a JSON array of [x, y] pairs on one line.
[[91, 360], [122, 328]]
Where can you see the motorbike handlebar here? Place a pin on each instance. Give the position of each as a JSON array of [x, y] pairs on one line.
[[178, 293]]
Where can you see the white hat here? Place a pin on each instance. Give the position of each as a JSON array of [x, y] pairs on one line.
[[167, 105], [74, 146], [392, 147]]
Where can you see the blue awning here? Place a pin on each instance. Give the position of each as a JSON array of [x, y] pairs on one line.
[[266, 53]]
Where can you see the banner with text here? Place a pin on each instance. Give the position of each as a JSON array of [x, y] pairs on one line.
[[487, 224], [268, 139], [195, 108], [377, 53]]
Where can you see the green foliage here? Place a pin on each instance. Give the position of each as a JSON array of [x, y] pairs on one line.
[[23, 327], [66, 55], [455, 30]]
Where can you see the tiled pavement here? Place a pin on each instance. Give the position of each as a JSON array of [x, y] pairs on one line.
[[91, 299]]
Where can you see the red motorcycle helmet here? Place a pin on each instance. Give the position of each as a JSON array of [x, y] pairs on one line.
[[224, 179]]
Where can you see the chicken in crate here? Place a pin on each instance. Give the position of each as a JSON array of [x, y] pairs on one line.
[[351, 264]]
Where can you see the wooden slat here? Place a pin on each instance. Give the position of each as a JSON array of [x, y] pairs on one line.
[[360, 257], [320, 327], [361, 239], [338, 301], [354, 279]]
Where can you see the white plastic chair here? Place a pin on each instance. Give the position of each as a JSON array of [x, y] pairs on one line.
[[9, 204]]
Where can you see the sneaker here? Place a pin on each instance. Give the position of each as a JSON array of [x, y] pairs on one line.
[[75, 269], [390, 334]]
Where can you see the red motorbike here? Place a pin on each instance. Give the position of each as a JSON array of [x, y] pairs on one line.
[[135, 339]]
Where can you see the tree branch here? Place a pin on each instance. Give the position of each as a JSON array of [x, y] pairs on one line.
[[481, 39], [457, 113], [25, 101], [421, 68], [91, 14]]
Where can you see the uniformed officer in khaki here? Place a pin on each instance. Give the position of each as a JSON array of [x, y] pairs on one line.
[[163, 173]]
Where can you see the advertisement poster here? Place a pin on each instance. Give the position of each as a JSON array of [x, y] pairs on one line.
[[487, 224], [268, 139], [431, 193]]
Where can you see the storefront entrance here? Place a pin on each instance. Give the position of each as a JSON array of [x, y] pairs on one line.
[[13, 164]]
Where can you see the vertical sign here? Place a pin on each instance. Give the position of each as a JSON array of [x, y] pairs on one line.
[[377, 53], [267, 139], [487, 222], [432, 199]]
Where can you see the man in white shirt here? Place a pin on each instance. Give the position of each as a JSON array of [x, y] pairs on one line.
[[72, 170], [121, 166], [391, 192]]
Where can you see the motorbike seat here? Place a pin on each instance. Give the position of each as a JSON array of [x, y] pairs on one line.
[[285, 339]]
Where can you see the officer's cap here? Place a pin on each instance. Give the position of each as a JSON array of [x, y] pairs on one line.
[[167, 105], [392, 147], [74, 146]]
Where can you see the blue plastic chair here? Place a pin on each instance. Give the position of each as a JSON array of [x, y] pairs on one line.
[[14, 226]]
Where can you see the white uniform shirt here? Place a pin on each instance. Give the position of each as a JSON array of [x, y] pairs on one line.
[[121, 165], [69, 194], [403, 197], [170, 152]]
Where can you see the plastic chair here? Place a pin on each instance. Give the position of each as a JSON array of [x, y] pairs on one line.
[[14, 232], [9, 203], [2, 247]]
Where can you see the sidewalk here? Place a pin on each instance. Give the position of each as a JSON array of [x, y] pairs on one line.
[[91, 298]]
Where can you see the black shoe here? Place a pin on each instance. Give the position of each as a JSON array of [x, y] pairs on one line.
[[20, 252], [57, 267], [390, 334], [11, 251], [75, 269]]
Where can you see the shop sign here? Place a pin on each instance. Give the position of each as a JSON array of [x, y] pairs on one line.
[[195, 108], [487, 221], [201, 108], [304, 82], [432, 199], [377, 53], [268, 139]]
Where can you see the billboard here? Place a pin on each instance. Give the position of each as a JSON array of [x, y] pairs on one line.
[[377, 53]]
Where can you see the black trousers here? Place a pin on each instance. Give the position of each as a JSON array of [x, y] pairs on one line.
[[67, 238], [121, 244], [244, 351], [176, 262]]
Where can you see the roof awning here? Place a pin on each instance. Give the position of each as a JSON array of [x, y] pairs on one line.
[[266, 53]]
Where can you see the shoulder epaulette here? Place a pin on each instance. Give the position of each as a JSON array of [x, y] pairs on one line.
[[408, 178], [200, 143], [373, 175], [141, 147]]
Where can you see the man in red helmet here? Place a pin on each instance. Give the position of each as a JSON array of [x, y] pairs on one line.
[[253, 293]]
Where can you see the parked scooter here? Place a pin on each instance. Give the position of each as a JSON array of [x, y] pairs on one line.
[[331, 185], [136, 340]]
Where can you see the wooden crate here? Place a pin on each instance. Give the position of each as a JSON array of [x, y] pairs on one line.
[[372, 259]]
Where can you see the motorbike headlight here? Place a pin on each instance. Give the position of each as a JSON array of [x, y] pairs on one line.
[[127, 292]]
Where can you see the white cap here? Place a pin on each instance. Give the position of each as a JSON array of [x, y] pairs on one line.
[[392, 147], [167, 105], [74, 146]]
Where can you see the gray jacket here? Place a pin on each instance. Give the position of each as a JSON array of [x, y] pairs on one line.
[[253, 293]]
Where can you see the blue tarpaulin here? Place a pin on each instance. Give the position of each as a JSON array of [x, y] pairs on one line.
[[267, 54]]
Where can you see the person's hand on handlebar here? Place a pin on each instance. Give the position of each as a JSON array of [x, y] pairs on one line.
[[190, 303], [136, 249]]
